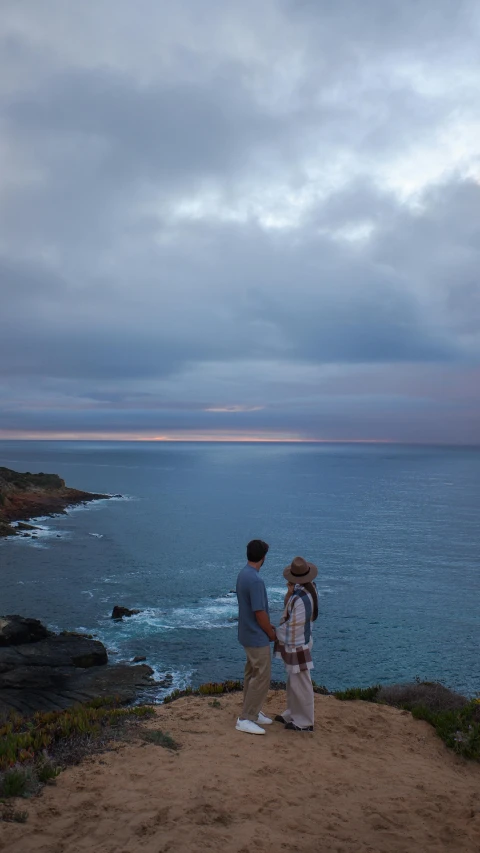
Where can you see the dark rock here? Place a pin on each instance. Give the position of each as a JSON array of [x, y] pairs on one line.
[[24, 496], [167, 681], [139, 659], [57, 671], [16, 630], [119, 612], [22, 525]]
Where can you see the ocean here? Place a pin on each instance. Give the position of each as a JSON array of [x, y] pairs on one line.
[[394, 531]]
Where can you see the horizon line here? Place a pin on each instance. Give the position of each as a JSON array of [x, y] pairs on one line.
[[236, 440]]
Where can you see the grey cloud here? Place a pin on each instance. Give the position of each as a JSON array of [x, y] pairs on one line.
[[117, 267]]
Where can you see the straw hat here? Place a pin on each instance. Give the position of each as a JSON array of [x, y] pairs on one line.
[[299, 571]]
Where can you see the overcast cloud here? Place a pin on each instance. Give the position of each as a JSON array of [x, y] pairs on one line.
[[240, 219]]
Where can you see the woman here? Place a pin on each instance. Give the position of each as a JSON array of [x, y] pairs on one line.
[[294, 643]]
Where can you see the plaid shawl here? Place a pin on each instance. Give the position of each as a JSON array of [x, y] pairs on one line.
[[294, 641]]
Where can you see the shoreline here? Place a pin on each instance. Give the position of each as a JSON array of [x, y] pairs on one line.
[[25, 497]]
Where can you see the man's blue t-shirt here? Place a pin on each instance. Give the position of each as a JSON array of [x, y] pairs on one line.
[[252, 596]]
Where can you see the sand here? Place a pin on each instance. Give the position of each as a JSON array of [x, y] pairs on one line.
[[369, 778]]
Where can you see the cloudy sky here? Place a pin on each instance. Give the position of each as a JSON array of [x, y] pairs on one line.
[[234, 218]]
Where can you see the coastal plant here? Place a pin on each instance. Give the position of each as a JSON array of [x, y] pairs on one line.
[[11, 815], [211, 688], [365, 694], [215, 703], [15, 783], [32, 743], [460, 729], [160, 738]]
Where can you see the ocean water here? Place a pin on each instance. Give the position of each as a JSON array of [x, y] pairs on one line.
[[394, 531]]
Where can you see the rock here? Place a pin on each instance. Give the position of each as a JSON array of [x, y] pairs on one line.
[[167, 681], [139, 659], [119, 612], [41, 671], [22, 525], [16, 630], [29, 495]]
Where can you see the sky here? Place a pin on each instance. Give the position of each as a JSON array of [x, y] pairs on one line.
[[240, 219]]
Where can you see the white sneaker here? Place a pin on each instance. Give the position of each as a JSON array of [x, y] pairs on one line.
[[263, 720], [249, 727]]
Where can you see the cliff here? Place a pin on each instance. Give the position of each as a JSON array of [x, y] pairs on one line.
[[24, 496]]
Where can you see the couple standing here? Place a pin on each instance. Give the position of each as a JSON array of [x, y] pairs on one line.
[[292, 638]]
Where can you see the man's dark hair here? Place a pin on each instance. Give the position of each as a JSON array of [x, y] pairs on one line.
[[257, 550]]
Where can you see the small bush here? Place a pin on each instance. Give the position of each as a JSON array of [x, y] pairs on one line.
[[366, 694], [320, 689], [47, 772], [427, 694], [15, 783], [10, 815], [215, 703], [160, 738]]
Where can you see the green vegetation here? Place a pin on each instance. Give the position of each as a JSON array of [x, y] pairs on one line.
[[365, 694], [15, 783], [33, 751], [160, 738], [209, 689], [215, 704], [11, 815]]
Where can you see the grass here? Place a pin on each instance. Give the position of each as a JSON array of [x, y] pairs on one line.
[[365, 694], [160, 738], [210, 689], [11, 815], [34, 750]]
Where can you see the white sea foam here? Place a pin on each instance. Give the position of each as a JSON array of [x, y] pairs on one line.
[[180, 680]]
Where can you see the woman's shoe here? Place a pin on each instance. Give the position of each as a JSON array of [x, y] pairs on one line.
[[293, 728], [280, 719]]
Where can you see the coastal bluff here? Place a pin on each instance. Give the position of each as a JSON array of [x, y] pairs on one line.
[[44, 671], [26, 495]]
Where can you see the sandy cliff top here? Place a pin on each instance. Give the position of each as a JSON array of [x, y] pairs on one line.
[[370, 778]]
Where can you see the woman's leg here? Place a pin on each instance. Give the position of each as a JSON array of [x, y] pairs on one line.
[[301, 703], [287, 715]]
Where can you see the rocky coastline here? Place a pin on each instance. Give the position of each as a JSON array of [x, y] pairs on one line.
[[24, 496], [44, 671]]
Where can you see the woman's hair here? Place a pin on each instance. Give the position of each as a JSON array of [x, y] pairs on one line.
[[312, 589]]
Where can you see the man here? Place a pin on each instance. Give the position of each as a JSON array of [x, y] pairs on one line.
[[255, 633]]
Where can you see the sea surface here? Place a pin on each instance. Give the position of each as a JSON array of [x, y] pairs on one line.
[[394, 530]]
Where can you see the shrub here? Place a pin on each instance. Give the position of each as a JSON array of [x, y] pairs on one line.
[[366, 694], [7, 813], [428, 694], [29, 743], [15, 783]]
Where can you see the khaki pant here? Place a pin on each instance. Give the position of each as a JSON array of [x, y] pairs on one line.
[[300, 702], [257, 681]]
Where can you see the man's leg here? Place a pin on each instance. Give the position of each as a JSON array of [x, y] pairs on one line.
[[258, 683], [301, 704], [247, 675]]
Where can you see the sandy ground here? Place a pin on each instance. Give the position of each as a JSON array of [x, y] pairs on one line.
[[369, 778]]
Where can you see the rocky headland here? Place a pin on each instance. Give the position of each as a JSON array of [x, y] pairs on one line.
[[43, 671], [25, 495]]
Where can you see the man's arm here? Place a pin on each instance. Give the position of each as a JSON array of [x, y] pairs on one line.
[[263, 620]]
